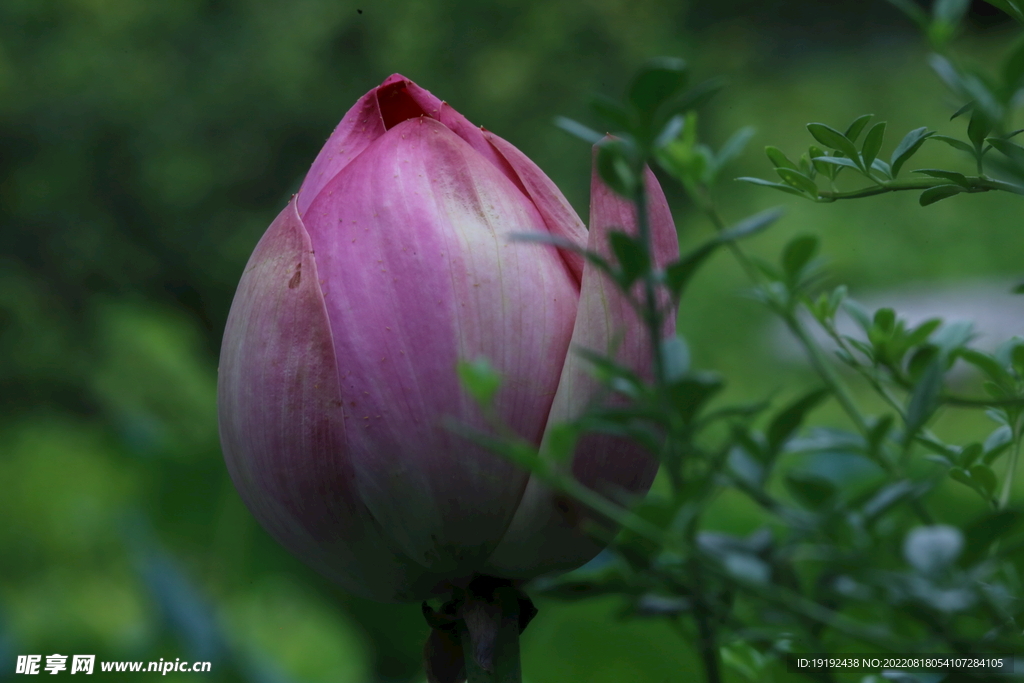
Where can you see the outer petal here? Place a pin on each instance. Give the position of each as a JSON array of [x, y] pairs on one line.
[[558, 214], [545, 534], [418, 273], [393, 101], [282, 427]]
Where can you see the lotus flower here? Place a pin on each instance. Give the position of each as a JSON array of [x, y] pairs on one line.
[[391, 264]]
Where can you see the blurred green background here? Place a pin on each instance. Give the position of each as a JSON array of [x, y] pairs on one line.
[[144, 148]]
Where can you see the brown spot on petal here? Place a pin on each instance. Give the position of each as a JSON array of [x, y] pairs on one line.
[[297, 278]]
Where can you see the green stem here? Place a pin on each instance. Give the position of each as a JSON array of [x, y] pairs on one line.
[[1004, 495], [653, 315], [977, 183]]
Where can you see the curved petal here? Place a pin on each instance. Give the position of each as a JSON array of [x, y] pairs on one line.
[[360, 126], [384, 107], [418, 273], [558, 214], [282, 427], [545, 534]]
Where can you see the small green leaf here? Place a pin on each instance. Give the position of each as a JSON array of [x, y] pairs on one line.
[[751, 225], [798, 253], [938, 193], [811, 490], [854, 129], [1011, 150], [925, 397], [678, 273], [778, 159], [954, 143], [970, 453], [952, 176], [611, 112], [985, 477], [768, 183], [908, 146], [950, 11], [631, 255], [873, 143], [978, 128], [997, 443], [833, 139], [675, 357], [962, 110], [480, 379], [1011, 7], [985, 530], [882, 167], [1013, 69], [885, 320], [798, 180], [577, 129], [659, 80], [837, 161], [986, 363], [791, 417], [559, 443], [614, 168]]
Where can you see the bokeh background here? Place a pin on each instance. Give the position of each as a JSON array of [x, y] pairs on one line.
[[145, 147]]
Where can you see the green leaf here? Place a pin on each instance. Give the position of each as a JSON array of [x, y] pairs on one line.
[[885, 320], [997, 443], [908, 146], [1013, 70], [950, 11], [798, 253], [873, 143], [970, 453], [778, 159], [925, 398], [837, 161], [979, 128], [577, 129], [614, 168], [612, 113], [751, 225], [854, 129], [791, 417], [656, 82], [768, 183], [559, 443], [833, 139], [811, 490], [986, 363], [912, 10], [952, 176], [962, 110], [1011, 7], [1011, 150], [733, 147], [985, 530], [798, 180], [882, 167], [938, 193], [675, 357], [954, 143], [631, 255], [920, 334], [480, 379], [985, 478]]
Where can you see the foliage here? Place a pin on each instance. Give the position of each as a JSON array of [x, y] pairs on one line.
[[851, 554]]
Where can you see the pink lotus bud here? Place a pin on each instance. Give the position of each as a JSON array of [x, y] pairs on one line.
[[391, 264]]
